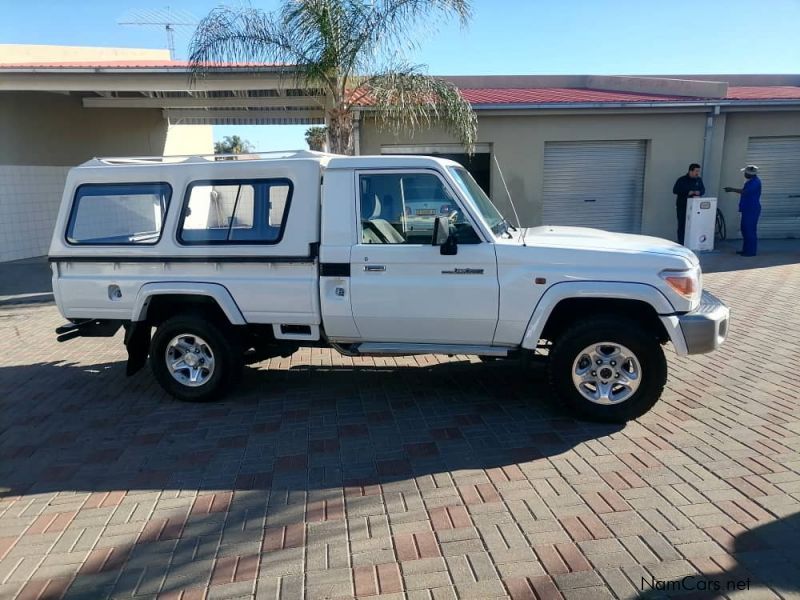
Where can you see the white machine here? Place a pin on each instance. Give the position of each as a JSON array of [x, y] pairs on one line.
[[701, 218]]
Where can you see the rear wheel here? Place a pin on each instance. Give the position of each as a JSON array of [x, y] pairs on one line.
[[608, 369], [193, 359]]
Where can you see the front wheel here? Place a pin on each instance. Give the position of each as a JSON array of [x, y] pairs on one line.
[[193, 359], [608, 369]]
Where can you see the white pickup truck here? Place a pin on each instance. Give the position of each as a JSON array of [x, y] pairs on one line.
[[240, 260]]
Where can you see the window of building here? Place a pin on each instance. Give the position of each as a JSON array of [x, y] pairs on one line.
[[235, 212], [401, 208], [118, 214]]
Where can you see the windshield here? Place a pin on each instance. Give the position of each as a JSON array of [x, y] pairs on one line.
[[479, 200]]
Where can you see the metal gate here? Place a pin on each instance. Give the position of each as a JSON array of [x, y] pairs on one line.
[[594, 184], [778, 162]]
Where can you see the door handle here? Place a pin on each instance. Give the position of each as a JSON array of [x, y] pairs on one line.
[[374, 268]]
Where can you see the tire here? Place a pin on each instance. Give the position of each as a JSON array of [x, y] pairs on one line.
[[205, 344], [633, 386]]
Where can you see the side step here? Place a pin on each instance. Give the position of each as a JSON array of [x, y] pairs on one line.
[[401, 349]]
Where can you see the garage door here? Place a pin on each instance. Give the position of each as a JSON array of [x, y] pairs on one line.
[[594, 184], [778, 162]]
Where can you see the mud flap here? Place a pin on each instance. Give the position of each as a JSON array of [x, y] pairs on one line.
[[137, 341]]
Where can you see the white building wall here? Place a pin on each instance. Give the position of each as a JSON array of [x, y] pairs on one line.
[[46, 53], [29, 201], [189, 139]]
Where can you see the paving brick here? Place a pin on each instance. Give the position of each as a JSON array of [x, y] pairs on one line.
[[426, 581], [412, 546], [283, 562], [479, 494], [449, 517], [589, 593], [281, 538], [744, 511], [51, 523], [461, 547], [618, 583], [104, 559], [481, 590], [44, 589], [639, 550]]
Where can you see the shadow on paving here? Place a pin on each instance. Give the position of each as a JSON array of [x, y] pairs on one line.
[[69, 427], [766, 555], [293, 445], [771, 253]]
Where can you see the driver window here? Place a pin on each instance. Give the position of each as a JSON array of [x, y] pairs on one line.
[[400, 208]]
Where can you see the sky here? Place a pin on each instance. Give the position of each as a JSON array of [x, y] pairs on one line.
[[519, 37]]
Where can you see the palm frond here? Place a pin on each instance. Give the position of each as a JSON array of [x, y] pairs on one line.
[[406, 100], [244, 35], [236, 35]]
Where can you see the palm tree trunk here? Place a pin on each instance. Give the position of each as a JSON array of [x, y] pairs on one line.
[[340, 131]]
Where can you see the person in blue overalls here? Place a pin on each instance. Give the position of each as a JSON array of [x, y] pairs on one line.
[[750, 207]]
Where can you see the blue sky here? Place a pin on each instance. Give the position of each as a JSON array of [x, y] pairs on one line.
[[504, 37]]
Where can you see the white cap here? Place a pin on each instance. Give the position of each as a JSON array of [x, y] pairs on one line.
[[750, 170]]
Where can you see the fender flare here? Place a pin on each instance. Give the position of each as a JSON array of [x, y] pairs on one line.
[[215, 291], [641, 292]]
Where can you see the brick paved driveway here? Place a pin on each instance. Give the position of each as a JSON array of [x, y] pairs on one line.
[[407, 478]]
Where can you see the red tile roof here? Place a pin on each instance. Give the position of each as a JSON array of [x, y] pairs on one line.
[[560, 96], [778, 92], [501, 96]]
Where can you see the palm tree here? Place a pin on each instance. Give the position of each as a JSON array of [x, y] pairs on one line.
[[232, 144], [316, 138], [348, 49]]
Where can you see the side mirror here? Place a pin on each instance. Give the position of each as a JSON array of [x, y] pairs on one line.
[[441, 231], [443, 237]]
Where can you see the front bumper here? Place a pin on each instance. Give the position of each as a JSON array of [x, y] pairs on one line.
[[705, 328]]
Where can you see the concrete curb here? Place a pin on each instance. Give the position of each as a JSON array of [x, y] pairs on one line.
[[26, 299]]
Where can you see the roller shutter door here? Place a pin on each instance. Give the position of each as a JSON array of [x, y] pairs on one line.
[[594, 184], [778, 162]]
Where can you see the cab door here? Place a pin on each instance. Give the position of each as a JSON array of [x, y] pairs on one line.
[[402, 288]]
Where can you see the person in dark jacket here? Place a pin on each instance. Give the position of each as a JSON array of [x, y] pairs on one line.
[[750, 207], [686, 187]]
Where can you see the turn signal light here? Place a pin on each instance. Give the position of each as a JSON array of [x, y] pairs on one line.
[[685, 283], [685, 286]]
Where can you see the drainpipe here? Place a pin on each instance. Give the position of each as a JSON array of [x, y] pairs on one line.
[[709, 136], [357, 132]]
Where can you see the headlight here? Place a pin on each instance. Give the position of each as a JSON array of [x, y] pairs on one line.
[[686, 283]]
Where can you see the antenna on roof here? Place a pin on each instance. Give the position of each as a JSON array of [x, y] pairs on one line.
[[165, 19]]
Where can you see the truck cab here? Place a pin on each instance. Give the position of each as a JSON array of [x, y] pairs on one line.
[[207, 264]]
